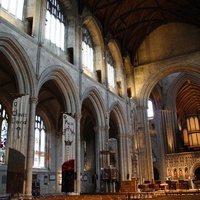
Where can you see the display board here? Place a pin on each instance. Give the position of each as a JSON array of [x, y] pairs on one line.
[[15, 173]]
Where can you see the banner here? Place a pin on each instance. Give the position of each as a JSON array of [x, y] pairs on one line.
[[68, 138], [68, 143], [19, 123]]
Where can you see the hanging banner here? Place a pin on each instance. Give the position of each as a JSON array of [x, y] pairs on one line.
[[68, 143], [19, 123], [68, 138]]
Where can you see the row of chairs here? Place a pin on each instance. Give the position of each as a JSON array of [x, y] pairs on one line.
[[147, 186]]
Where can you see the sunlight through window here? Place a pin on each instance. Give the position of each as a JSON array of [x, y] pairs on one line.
[[40, 143], [150, 110], [15, 7], [87, 50], [110, 70], [54, 26]]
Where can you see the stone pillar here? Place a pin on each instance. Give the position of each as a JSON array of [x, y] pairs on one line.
[[168, 129], [144, 146], [103, 142], [102, 133], [122, 157], [125, 152], [78, 154], [98, 141], [30, 147], [161, 149], [165, 130], [128, 156]]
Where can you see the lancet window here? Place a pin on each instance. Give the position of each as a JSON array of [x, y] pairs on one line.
[[40, 143], [110, 70], [87, 50], [55, 25]]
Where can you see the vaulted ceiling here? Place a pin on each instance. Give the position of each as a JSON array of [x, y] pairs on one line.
[[131, 21]]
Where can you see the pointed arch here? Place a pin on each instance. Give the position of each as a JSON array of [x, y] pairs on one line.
[[116, 54], [97, 40], [177, 83], [20, 62], [66, 84], [94, 96], [159, 74], [119, 114]]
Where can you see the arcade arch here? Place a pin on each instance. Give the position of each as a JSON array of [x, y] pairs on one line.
[[179, 74], [93, 131]]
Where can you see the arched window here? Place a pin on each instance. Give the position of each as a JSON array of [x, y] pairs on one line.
[[40, 150], [3, 132], [55, 26], [110, 70], [14, 7], [150, 111], [87, 50]]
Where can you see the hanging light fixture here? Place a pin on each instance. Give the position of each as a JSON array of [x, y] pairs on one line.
[[193, 130]]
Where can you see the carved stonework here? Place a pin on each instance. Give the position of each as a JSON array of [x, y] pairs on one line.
[[179, 165]]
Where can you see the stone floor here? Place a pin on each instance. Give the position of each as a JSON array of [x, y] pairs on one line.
[[160, 195]]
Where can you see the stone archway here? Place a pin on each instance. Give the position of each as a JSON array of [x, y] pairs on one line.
[[93, 133], [88, 144]]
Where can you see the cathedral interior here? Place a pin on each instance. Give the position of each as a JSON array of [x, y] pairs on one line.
[[97, 95]]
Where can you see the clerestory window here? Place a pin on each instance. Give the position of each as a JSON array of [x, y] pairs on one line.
[[15, 7], [3, 133], [55, 25], [110, 70], [87, 50], [40, 150]]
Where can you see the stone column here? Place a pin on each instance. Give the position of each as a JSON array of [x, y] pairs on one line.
[[103, 144], [128, 156], [78, 154], [168, 129], [144, 146], [102, 133], [98, 141], [125, 161], [30, 147], [165, 130], [122, 152]]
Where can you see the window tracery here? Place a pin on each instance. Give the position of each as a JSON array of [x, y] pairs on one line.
[[55, 24], [40, 143], [87, 50], [110, 70]]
